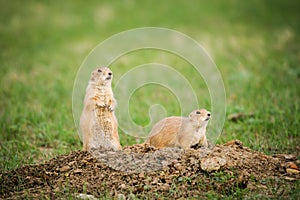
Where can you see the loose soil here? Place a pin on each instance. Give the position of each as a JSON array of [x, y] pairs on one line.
[[141, 171]]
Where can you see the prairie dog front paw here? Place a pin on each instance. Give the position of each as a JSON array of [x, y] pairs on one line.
[[112, 104]]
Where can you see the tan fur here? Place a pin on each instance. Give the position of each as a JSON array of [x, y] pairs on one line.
[[181, 132], [98, 123]]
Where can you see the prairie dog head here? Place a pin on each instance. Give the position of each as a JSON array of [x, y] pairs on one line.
[[102, 76], [199, 117]]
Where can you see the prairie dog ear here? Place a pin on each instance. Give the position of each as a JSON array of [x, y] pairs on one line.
[[93, 76]]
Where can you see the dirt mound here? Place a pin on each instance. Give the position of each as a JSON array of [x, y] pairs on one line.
[[198, 172]]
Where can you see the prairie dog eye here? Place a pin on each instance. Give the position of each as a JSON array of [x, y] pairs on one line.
[[198, 112], [99, 70], [110, 73]]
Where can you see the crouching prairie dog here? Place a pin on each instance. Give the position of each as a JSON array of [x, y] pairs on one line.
[[181, 132], [98, 123]]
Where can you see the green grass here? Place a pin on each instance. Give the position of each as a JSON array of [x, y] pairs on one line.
[[255, 45]]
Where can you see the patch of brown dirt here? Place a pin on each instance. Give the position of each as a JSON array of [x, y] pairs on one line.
[[197, 172]]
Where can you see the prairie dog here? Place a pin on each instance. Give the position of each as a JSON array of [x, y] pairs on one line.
[[181, 132], [98, 123]]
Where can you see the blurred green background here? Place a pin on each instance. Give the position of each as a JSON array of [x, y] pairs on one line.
[[255, 45]]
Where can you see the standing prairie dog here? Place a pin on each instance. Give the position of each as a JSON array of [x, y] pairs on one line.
[[98, 123], [181, 132]]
